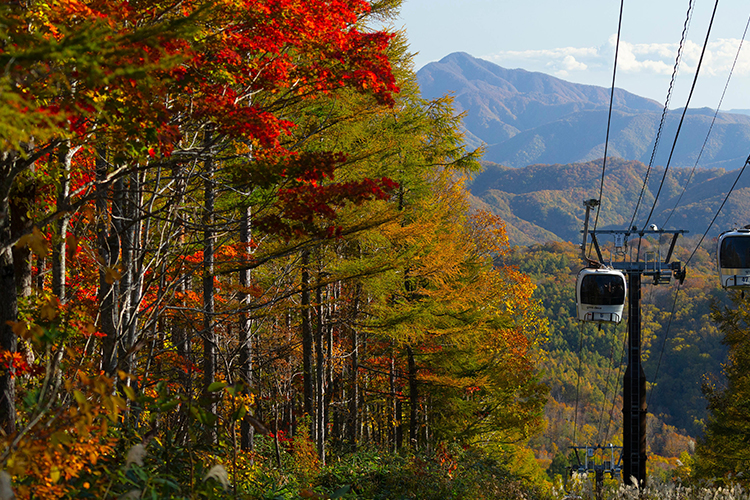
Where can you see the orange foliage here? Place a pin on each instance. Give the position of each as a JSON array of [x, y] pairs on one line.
[[58, 446]]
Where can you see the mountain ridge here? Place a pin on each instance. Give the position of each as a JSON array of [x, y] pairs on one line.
[[524, 117], [543, 202]]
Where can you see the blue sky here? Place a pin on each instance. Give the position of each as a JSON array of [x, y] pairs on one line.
[[575, 41]]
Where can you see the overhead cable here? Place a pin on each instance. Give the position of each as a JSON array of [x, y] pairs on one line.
[[665, 110], [677, 292], [710, 128], [619, 377], [578, 381], [610, 371], [663, 345], [742, 170], [609, 116], [684, 112], [674, 304]]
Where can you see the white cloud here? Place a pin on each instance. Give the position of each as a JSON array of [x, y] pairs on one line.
[[571, 64], [559, 53], [633, 58]]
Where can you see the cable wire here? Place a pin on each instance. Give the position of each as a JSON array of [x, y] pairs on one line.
[[609, 116], [663, 345], [619, 377], [578, 381], [710, 128], [742, 170], [674, 304], [677, 292], [610, 371], [684, 112], [665, 110]]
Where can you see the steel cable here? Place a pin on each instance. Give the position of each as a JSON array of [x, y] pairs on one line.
[[742, 170], [619, 377], [710, 128], [610, 371], [684, 112], [665, 110], [578, 381], [677, 292], [609, 115]]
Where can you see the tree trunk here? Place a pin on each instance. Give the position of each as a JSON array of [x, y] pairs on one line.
[[246, 331], [332, 316], [109, 249], [209, 336], [8, 313], [125, 227], [181, 339], [320, 434], [413, 398], [354, 376], [399, 424], [59, 247], [20, 203], [307, 338], [41, 265], [395, 407]]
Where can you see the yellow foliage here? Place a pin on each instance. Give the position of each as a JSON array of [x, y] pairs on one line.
[[303, 450], [57, 446], [36, 242]]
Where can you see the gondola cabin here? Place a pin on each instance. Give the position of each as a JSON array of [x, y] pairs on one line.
[[600, 295], [733, 253]]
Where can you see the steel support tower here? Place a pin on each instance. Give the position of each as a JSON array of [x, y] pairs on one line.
[[634, 384], [596, 464], [634, 390]]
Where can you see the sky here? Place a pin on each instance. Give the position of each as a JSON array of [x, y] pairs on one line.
[[575, 40]]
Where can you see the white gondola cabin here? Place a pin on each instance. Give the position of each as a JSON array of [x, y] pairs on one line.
[[733, 254], [600, 295]]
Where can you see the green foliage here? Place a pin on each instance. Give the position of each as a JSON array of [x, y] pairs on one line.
[[542, 203], [166, 471], [451, 472], [690, 348], [723, 453], [559, 468]]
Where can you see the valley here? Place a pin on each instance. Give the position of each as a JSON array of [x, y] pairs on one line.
[[542, 140]]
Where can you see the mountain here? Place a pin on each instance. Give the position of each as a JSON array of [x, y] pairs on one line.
[[525, 117], [541, 203]]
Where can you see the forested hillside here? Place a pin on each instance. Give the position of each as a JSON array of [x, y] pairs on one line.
[[542, 203], [526, 118], [235, 248], [722, 453], [239, 259], [584, 365]]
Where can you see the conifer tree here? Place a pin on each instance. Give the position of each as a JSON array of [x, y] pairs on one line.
[[723, 453]]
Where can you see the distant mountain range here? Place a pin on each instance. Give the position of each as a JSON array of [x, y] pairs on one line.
[[541, 203], [526, 118]]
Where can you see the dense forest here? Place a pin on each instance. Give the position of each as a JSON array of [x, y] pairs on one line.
[[234, 234], [239, 260], [583, 366], [542, 203]]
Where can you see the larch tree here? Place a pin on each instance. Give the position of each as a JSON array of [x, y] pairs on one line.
[[233, 68], [252, 216], [722, 453]]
